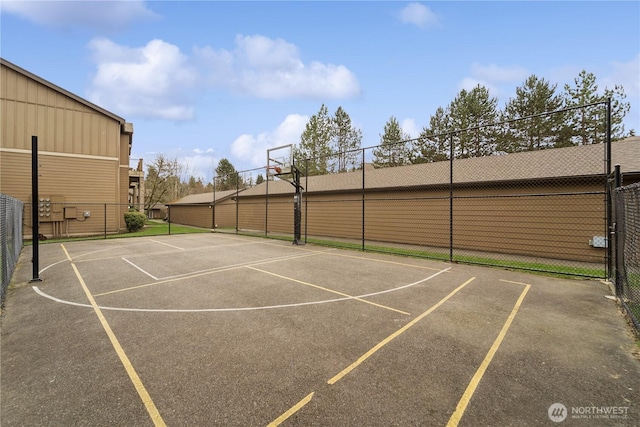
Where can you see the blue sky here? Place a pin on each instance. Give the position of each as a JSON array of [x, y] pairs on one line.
[[205, 80]]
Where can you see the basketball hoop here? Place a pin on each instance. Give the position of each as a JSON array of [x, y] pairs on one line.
[[274, 170]]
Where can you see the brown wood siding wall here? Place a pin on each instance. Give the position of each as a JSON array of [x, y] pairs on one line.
[[79, 150], [194, 215], [226, 214], [251, 213], [549, 221], [280, 214], [86, 184], [62, 124]]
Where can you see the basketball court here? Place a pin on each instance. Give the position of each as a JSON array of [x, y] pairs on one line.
[[212, 329]]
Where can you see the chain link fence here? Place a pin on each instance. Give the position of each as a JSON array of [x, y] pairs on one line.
[[495, 194], [627, 249], [11, 238]]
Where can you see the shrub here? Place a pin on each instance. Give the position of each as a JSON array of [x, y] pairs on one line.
[[135, 221]]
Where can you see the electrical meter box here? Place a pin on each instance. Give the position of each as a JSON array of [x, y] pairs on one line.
[[50, 208]]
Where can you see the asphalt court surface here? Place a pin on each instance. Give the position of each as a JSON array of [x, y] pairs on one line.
[[230, 330]]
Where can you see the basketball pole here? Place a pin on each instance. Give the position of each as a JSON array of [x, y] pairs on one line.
[[35, 219]]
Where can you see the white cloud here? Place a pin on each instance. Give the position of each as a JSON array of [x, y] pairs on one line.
[[157, 80], [499, 80], [199, 166], [252, 149], [152, 81], [410, 127], [97, 14], [419, 15], [272, 69], [626, 74], [496, 74]]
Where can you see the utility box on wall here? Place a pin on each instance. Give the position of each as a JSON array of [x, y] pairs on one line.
[[50, 208], [70, 212]]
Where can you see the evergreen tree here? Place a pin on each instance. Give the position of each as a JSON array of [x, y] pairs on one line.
[[534, 97], [345, 142], [433, 142], [315, 144], [393, 149], [474, 110], [226, 176], [259, 179], [589, 123]]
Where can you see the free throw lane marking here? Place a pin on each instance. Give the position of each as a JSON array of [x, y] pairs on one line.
[[471, 388], [396, 334], [328, 290], [295, 408], [133, 375]]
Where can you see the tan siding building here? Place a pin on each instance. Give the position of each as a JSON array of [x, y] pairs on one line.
[[83, 155]]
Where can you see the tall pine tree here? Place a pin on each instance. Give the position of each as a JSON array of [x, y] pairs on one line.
[[534, 97], [474, 110], [313, 153], [345, 142], [589, 123], [433, 142], [393, 149]]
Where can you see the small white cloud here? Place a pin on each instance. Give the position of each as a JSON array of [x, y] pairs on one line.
[[252, 149], [626, 74], [96, 14], [272, 69], [410, 127], [469, 83], [500, 81], [496, 74], [419, 15], [152, 81]]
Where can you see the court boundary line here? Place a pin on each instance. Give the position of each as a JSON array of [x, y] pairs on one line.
[[479, 374], [144, 395], [397, 333], [369, 353], [295, 408]]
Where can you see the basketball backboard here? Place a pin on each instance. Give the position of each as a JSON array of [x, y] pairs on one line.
[[279, 160]]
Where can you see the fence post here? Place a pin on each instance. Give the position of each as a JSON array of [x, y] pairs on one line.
[[237, 202], [169, 218], [213, 207], [306, 197], [363, 203], [266, 204], [34, 209], [451, 153], [609, 196], [619, 252]]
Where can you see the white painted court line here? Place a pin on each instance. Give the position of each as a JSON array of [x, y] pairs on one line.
[[166, 244], [140, 269], [214, 310], [192, 274]]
